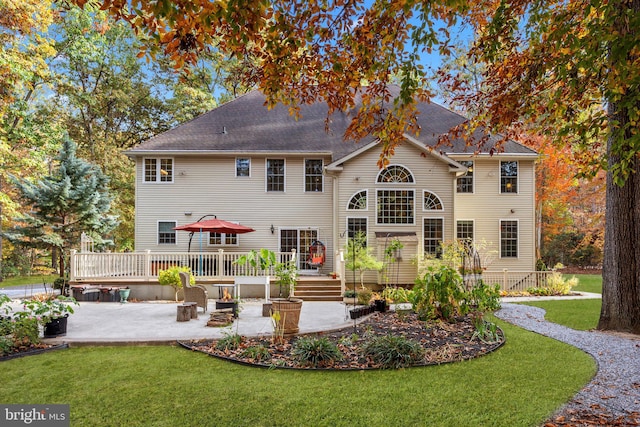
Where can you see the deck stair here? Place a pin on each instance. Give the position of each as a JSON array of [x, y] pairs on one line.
[[318, 288]]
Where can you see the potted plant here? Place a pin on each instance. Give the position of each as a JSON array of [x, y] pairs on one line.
[[379, 302], [349, 296], [287, 307], [52, 312], [171, 277], [255, 262]]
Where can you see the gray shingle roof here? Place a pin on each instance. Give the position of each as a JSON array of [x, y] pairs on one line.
[[246, 125]]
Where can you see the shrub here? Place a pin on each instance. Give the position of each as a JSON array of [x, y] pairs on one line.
[[485, 297], [349, 293], [439, 295], [364, 296], [311, 351], [393, 351], [171, 277], [556, 285], [257, 352], [229, 342], [396, 294]]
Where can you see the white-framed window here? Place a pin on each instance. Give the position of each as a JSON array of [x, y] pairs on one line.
[[508, 238], [223, 239], [433, 232], [464, 183], [431, 202], [508, 177], [395, 207], [275, 175], [166, 232], [243, 167], [356, 225], [313, 178], [394, 174], [158, 170], [464, 230], [358, 202]]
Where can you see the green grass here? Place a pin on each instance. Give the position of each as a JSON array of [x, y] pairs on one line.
[[587, 282], [29, 280], [168, 386], [581, 315]]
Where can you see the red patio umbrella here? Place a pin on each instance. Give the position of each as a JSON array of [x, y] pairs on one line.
[[214, 225]]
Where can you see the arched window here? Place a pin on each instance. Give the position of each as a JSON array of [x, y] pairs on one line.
[[431, 202], [358, 201], [395, 174]]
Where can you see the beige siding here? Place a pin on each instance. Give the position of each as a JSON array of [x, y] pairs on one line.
[[208, 185], [487, 207], [429, 172]]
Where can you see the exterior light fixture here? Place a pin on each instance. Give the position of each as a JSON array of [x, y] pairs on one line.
[[272, 229]]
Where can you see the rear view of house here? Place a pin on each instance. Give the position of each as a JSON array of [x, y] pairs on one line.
[[297, 184]]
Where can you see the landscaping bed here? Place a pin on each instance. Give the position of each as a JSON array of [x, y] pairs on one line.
[[440, 342]]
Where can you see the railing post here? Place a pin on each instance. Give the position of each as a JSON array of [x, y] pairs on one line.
[[341, 270], [72, 265], [147, 264], [220, 270], [505, 279]]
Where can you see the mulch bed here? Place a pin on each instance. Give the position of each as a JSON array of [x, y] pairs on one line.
[[443, 342]]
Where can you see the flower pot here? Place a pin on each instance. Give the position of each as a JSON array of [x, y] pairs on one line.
[[381, 305], [56, 327], [124, 294], [289, 314]]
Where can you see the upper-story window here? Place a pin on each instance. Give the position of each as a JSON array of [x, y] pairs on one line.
[[431, 202], [508, 177], [243, 166], [358, 201], [465, 182], [166, 233], [313, 179], [395, 174], [275, 174], [158, 170]]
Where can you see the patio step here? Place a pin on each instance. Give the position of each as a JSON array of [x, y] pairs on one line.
[[318, 291]]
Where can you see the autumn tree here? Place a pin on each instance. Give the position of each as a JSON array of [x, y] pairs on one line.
[[568, 68]]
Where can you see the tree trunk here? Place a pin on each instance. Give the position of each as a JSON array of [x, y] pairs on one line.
[[621, 267]]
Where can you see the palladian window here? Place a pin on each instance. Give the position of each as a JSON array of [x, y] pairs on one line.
[[395, 174]]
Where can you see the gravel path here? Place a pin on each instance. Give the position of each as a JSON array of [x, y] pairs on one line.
[[614, 393]]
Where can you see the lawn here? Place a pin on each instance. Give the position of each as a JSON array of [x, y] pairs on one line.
[[588, 282], [581, 315], [29, 280], [169, 386], [576, 314]]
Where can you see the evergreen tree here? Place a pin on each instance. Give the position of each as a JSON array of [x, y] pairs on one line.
[[72, 199]]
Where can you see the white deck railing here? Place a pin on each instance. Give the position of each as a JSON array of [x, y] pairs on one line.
[[516, 280], [144, 265]]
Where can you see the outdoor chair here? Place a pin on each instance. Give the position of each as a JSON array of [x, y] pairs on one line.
[[197, 293]]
